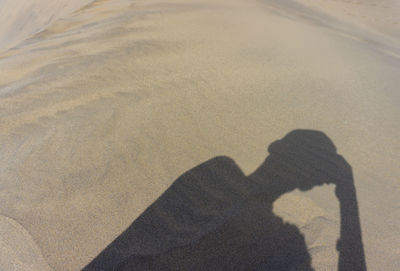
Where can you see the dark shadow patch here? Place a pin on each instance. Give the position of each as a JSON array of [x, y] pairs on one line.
[[214, 217]]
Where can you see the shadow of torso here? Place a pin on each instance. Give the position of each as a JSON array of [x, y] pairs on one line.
[[213, 217]]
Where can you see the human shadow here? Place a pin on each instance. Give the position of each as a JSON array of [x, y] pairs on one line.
[[213, 217]]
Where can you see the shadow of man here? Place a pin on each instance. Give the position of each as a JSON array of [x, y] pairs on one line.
[[213, 217]]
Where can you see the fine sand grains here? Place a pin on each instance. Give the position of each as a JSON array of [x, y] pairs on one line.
[[105, 107]]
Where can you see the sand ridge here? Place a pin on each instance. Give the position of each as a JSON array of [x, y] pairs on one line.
[[381, 16], [21, 19]]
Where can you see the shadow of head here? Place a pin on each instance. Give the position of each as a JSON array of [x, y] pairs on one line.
[[304, 159]]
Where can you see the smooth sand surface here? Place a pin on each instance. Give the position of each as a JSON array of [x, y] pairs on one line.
[[21, 19], [381, 16], [106, 107]]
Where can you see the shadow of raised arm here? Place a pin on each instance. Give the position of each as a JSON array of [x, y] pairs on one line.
[[349, 246], [312, 158]]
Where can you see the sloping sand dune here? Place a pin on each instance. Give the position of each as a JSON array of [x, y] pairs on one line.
[[106, 106], [21, 19], [381, 16]]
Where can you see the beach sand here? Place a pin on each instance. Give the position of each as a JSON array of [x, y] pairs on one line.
[[106, 106]]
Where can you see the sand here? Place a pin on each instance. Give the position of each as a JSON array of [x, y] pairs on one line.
[[104, 107], [20, 20], [379, 16]]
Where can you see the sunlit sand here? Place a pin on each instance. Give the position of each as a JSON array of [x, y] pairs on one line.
[[105, 104]]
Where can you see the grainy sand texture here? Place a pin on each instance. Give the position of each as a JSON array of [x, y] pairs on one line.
[[199, 135]]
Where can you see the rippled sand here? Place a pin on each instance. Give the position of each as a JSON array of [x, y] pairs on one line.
[[105, 107]]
